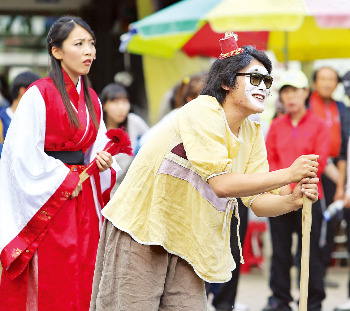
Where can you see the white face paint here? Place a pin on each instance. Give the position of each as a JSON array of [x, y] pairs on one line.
[[257, 95]]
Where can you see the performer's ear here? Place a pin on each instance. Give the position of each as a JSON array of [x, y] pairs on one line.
[[56, 52]]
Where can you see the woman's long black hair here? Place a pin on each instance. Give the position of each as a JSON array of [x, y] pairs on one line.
[[59, 32], [223, 71]]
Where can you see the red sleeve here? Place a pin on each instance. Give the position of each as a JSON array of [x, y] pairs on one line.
[[271, 147], [322, 146]]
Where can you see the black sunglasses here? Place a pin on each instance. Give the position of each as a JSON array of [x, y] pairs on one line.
[[256, 78]]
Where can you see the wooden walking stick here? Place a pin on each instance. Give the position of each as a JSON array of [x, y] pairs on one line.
[[305, 252]]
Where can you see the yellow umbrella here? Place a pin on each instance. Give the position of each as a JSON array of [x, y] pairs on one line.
[[256, 15], [295, 31], [310, 42]]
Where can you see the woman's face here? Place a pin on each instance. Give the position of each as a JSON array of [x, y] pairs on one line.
[[117, 109], [247, 97], [77, 53], [293, 99], [326, 82]]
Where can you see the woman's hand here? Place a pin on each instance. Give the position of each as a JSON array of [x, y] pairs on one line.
[[302, 167], [346, 199], [104, 160], [339, 193], [307, 186], [77, 190]]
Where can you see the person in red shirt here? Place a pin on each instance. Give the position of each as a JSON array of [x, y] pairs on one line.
[[297, 132], [325, 81], [343, 182]]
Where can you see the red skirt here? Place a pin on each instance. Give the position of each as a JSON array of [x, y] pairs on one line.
[[59, 276]]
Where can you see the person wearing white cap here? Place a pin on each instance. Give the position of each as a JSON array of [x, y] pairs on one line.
[[296, 132]]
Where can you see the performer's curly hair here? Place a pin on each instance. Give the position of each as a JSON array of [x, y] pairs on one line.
[[223, 71]]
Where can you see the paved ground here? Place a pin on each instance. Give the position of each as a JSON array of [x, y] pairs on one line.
[[253, 289]]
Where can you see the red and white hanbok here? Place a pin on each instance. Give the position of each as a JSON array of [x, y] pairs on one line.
[[48, 241]]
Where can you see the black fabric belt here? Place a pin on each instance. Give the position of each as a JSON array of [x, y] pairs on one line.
[[68, 157]]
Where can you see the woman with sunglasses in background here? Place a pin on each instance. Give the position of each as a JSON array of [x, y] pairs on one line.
[[167, 226]]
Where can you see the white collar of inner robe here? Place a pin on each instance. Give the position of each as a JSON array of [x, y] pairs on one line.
[[79, 85]]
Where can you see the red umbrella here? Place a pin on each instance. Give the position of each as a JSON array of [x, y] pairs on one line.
[[205, 41]]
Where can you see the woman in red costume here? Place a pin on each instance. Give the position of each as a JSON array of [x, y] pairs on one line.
[[49, 220]]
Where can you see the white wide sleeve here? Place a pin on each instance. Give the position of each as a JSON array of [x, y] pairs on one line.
[[28, 176]]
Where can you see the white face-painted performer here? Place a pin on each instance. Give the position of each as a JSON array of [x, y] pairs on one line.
[[257, 94], [174, 206]]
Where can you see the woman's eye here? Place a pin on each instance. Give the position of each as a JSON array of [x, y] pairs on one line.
[[78, 43]]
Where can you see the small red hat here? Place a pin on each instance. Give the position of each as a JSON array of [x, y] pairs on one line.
[[229, 45]]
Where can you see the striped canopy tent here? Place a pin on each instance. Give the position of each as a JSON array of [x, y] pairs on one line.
[[302, 30]]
